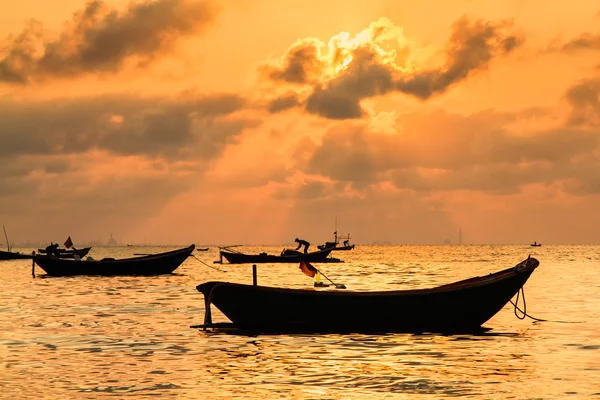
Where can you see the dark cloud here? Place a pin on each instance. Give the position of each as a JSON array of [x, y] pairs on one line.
[[586, 41], [193, 127], [449, 152], [301, 64], [283, 103], [471, 47], [99, 39], [584, 98]]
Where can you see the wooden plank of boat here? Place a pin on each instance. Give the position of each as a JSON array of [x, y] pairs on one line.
[[64, 253], [289, 256], [153, 264], [457, 307]]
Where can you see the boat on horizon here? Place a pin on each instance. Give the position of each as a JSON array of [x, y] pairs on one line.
[[535, 244], [456, 307]]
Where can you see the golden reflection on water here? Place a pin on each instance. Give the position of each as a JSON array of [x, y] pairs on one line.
[[91, 337]]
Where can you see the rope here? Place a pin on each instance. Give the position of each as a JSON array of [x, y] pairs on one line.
[[524, 311], [210, 266]]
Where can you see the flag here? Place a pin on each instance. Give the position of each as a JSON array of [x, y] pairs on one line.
[[307, 269], [68, 243]]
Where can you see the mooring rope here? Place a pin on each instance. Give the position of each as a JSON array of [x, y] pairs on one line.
[[524, 311], [209, 266]]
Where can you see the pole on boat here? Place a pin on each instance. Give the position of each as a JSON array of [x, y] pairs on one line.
[[207, 313], [254, 277], [6, 236], [33, 264]]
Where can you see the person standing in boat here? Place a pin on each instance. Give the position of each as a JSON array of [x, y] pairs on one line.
[[51, 250], [302, 243]]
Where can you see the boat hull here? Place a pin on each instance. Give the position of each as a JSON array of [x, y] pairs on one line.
[[10, 255], [240, 258], [154, 264], [461, 306], [323, 247]]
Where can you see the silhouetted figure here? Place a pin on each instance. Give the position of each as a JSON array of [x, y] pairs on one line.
[[302, 243], [346, 242], [51, 250]]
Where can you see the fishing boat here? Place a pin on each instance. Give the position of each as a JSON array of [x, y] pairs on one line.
[[286, 256], [535, 244], [335, 245], [152, 264], [12, 255], [456, 307], [68, 253]]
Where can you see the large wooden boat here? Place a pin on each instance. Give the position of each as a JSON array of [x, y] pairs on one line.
[[461, 306], [287, 256], [153, 264]]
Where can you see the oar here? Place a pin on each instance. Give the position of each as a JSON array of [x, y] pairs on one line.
[[309, 265], [337, 285]]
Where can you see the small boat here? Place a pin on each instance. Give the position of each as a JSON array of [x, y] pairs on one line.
[[335, 245], [462, 306], [536, 244], [69, 253], [152, 264], [202, 249], [12, 255], [287, 256]]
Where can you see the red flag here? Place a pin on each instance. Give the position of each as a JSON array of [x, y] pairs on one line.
[[307, 269], [68, 242]]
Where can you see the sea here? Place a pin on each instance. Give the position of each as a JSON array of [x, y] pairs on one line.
[[131, 337]]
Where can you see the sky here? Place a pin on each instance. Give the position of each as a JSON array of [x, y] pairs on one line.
[[259, 121]]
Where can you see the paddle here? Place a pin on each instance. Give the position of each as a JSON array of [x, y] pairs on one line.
[[309, 270]]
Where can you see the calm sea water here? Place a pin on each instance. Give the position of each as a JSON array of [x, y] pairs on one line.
[[100, 337]]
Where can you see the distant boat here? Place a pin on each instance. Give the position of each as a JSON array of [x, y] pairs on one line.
[[536, 244], [64, 253], [335, 245], [202, 249], [461, 306], [152, 264]]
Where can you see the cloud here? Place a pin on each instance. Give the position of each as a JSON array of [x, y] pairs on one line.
[[586, 41], [445, 152], [380, 60], [194, 127], [302, 64], [584, 98], [101, 40]]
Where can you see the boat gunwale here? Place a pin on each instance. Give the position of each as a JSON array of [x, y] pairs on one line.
[[464, 284]]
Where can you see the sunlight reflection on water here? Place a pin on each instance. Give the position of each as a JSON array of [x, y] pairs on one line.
[[125, 336]]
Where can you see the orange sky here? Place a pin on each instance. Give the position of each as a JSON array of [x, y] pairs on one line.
[[250, 122]]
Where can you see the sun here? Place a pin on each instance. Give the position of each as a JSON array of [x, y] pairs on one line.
[[382, 38]]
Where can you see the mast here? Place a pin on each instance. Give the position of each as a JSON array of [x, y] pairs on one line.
[[335, 233], [6, 236]]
